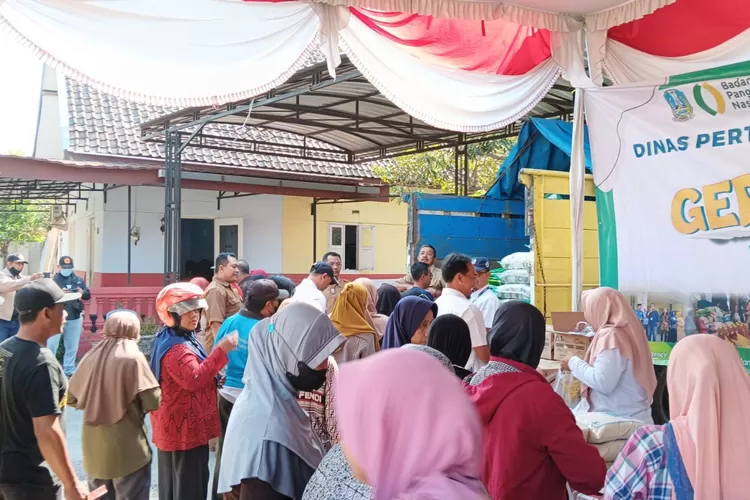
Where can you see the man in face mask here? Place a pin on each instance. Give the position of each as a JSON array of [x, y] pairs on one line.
[[71, 334], [10, 282]]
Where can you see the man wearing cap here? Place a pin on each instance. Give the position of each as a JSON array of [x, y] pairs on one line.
[[483, 297], [222, 298], [33, 391], [69, 282], [310, 290], [332, 292], [262, 299], [11, 281]]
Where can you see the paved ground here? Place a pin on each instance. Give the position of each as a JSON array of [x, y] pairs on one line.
[[73, 422]]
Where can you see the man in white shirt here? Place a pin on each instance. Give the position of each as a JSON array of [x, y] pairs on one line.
[[483, 297], [460, 278], [310, 290]]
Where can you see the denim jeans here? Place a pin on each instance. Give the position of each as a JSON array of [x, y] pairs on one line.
[[8, 328], [71, 335]]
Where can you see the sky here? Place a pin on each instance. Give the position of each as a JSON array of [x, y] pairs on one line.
[[20, 82]]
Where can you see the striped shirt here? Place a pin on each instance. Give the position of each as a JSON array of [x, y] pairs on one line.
[[640, 471]]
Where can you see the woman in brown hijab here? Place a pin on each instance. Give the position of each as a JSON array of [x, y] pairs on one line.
[[378, 320], [115, 388]]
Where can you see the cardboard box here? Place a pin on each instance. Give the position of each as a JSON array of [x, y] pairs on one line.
[[548, 369], [566, 343], [570, 344], [549, 344], [565, 322]]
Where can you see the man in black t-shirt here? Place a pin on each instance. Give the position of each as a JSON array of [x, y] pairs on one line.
[[33, 389]]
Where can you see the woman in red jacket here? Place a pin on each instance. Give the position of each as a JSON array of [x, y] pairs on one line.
[[532, 445], [188, 416]]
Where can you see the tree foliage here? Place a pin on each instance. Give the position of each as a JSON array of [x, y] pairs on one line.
[[22, 223], [436, 169]]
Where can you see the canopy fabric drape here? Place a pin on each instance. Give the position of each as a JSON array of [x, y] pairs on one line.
[[493, 47], [687, 36], [464, 74], [553, 15], [170, 52], [442, 85]]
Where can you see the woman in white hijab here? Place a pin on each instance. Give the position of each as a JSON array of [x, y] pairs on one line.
[[270, 449]]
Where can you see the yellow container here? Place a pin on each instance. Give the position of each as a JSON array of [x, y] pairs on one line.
[[548, 223]]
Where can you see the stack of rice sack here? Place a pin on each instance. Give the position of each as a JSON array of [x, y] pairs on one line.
[[515, 278], [607, 433]]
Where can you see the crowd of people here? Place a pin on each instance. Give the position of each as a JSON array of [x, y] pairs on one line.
[[666, 325], [426, 389]]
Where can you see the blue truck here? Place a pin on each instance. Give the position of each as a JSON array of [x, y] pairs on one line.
[[475, 226]]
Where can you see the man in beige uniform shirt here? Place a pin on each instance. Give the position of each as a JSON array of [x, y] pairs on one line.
[[223, 300], [332, 292], [428, 256], [11, 280]]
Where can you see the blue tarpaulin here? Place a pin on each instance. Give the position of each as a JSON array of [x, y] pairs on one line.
[[542, 144]]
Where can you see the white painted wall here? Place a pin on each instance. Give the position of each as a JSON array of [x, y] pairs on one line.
[[49, 141], [85, 225], [262, 231]]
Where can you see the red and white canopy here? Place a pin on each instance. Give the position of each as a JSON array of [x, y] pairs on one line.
[[481, 70], [553, 15]]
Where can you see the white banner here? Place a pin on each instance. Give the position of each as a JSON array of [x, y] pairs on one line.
[[672, 165]]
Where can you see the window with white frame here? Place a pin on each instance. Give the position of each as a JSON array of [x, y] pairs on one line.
[[355, 243]]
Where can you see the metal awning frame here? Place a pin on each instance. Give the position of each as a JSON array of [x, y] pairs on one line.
[[281, 107], [15, 192]]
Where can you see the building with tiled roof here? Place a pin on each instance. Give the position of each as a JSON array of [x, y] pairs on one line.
[[275, 211], [104, 126]]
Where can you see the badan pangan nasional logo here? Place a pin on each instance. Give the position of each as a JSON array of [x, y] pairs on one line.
[[715, 104]]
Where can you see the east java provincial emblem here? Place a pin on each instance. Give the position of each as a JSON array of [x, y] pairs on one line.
[[682, 110]]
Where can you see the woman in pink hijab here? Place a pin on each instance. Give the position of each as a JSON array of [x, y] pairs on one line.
[[617, 371], [703, 452], [378, 320], [413, 435]]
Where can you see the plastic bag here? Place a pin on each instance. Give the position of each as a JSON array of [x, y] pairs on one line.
[[495, 276], [601, 428], [514, 292], [518, 260], [568, 387], [584, 329], [515, 277]]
